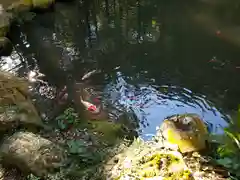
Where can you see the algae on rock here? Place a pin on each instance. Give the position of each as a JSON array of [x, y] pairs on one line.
[[143, 160]]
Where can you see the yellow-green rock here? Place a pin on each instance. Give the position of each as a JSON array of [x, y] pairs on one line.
[[42, 3], [20, 6], [187, 131]]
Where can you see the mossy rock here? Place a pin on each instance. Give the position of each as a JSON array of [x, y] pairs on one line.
[[187, 131], [146, 160], [16, 105]]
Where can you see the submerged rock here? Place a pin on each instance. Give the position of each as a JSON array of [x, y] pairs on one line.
[[187, 131], [32, 153]]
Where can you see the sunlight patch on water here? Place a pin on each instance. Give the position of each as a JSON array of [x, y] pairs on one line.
[[11, 63], [151, 106]]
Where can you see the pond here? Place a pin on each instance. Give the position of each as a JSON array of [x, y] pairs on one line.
[[157, 58]]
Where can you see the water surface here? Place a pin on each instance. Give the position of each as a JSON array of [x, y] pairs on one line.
[[159, 57]]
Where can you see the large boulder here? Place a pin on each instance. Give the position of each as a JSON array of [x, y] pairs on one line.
[[187, 131], [32, 154], [16, 106]]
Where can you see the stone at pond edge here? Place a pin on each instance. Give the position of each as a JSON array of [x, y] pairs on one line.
[[147, 160], [6, 47], [16, 106], [5, 20], [188, 131], [25, 5], [32, 153], [10, 174]]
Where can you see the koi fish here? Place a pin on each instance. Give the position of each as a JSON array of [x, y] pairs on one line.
[[87, 75], [91, 107]]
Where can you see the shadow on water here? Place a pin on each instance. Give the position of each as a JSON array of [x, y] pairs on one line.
[[169, 61]]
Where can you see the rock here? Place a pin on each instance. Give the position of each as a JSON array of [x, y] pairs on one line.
[[42, 4], [6, 47], [5, 20], [16, 106], [7, 119], [204, 168], [32, 154], [10, 174], [8, 4], [10, 7], [187, 131], [146, 160], [25, 5]]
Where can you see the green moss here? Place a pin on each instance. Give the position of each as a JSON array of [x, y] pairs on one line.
[[156, 159], [152, 166], [185, 175]]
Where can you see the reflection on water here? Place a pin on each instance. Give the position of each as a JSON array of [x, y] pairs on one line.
[[11, 64], [153, 104], [159, 45]]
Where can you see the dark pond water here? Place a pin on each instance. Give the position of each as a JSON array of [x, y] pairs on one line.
[[157, 58]]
